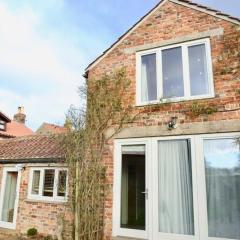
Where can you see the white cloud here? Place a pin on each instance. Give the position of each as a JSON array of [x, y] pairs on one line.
[[38, 55]]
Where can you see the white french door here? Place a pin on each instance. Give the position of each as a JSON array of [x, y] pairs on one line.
[[9, 197], [131, 188], [191, 186], [219, 186], [174, 195]]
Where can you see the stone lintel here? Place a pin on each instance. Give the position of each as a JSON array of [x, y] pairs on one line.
[[190, 37], [223, 126]]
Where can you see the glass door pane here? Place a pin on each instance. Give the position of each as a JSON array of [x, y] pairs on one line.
[[9, 197], [222, 167], [175, 194], [133, 187]]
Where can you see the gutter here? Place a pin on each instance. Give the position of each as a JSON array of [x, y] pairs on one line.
[[32, 160]]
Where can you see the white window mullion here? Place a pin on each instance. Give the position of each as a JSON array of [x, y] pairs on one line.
[[159, 75], [138, 79], [155, 212], [201, 188], [55, 185], [209, 67], [186, 75], [30, 183], [41, 182], [194, 155]]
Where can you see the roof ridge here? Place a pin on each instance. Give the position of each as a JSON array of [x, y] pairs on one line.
[[28, 137], [217, 13], [53, 124]]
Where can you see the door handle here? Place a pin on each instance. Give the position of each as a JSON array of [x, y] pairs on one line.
[[146, 193]]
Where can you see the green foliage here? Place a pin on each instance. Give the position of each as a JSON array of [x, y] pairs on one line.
[[197, 109], [226, 70], [32, 232], [91, 129], [238, 91]]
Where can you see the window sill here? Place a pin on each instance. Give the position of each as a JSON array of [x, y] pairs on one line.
[[175, 100], [29, 200]]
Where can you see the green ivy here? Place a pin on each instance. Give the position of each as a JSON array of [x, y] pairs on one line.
[[198, 109]]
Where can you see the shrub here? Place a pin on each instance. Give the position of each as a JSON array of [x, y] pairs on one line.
[[48, 237], [32, 232]]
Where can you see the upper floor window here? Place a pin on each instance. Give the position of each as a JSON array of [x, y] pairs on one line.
[[177, 72], [2, 125], [48, 184]]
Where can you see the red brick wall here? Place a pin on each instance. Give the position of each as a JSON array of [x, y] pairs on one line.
[[169, 22], [41, 215]]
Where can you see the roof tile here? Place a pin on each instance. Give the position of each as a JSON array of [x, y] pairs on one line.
[[31, 147]]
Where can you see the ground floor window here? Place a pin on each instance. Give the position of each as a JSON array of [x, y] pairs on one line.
[[48, 184], [179, 188]]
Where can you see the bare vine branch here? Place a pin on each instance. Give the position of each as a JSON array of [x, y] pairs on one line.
[[85, 145]]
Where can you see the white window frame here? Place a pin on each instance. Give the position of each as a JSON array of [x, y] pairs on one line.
[[186, 73], [198, 182], [40, 196]]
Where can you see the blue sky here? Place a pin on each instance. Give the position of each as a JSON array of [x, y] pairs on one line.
[[46, 44]]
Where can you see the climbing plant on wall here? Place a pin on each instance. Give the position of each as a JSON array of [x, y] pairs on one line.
[[84, 147]]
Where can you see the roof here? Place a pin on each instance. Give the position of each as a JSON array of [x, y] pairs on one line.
[[35, 148], [186, 3], [47, 128], [15, 129]]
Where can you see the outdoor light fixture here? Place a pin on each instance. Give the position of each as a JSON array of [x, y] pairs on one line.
[[172, 124]]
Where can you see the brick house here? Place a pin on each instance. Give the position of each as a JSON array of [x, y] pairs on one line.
[[175, 171], [33, 186], [14, 128], [48, 128]]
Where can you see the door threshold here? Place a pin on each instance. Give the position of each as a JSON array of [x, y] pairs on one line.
[[126, 238]]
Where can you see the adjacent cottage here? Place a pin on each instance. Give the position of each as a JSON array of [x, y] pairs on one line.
[[14, 128], [175, 171], [48, 128], [34, 186]]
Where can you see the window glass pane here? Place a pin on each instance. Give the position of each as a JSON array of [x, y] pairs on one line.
[[222, 164], [35, 182], [172, 68], [62, 182], [175, 187], [9, 198], [133, 187], [48, 182], [2, 125], [149, 78], [198, 70]]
